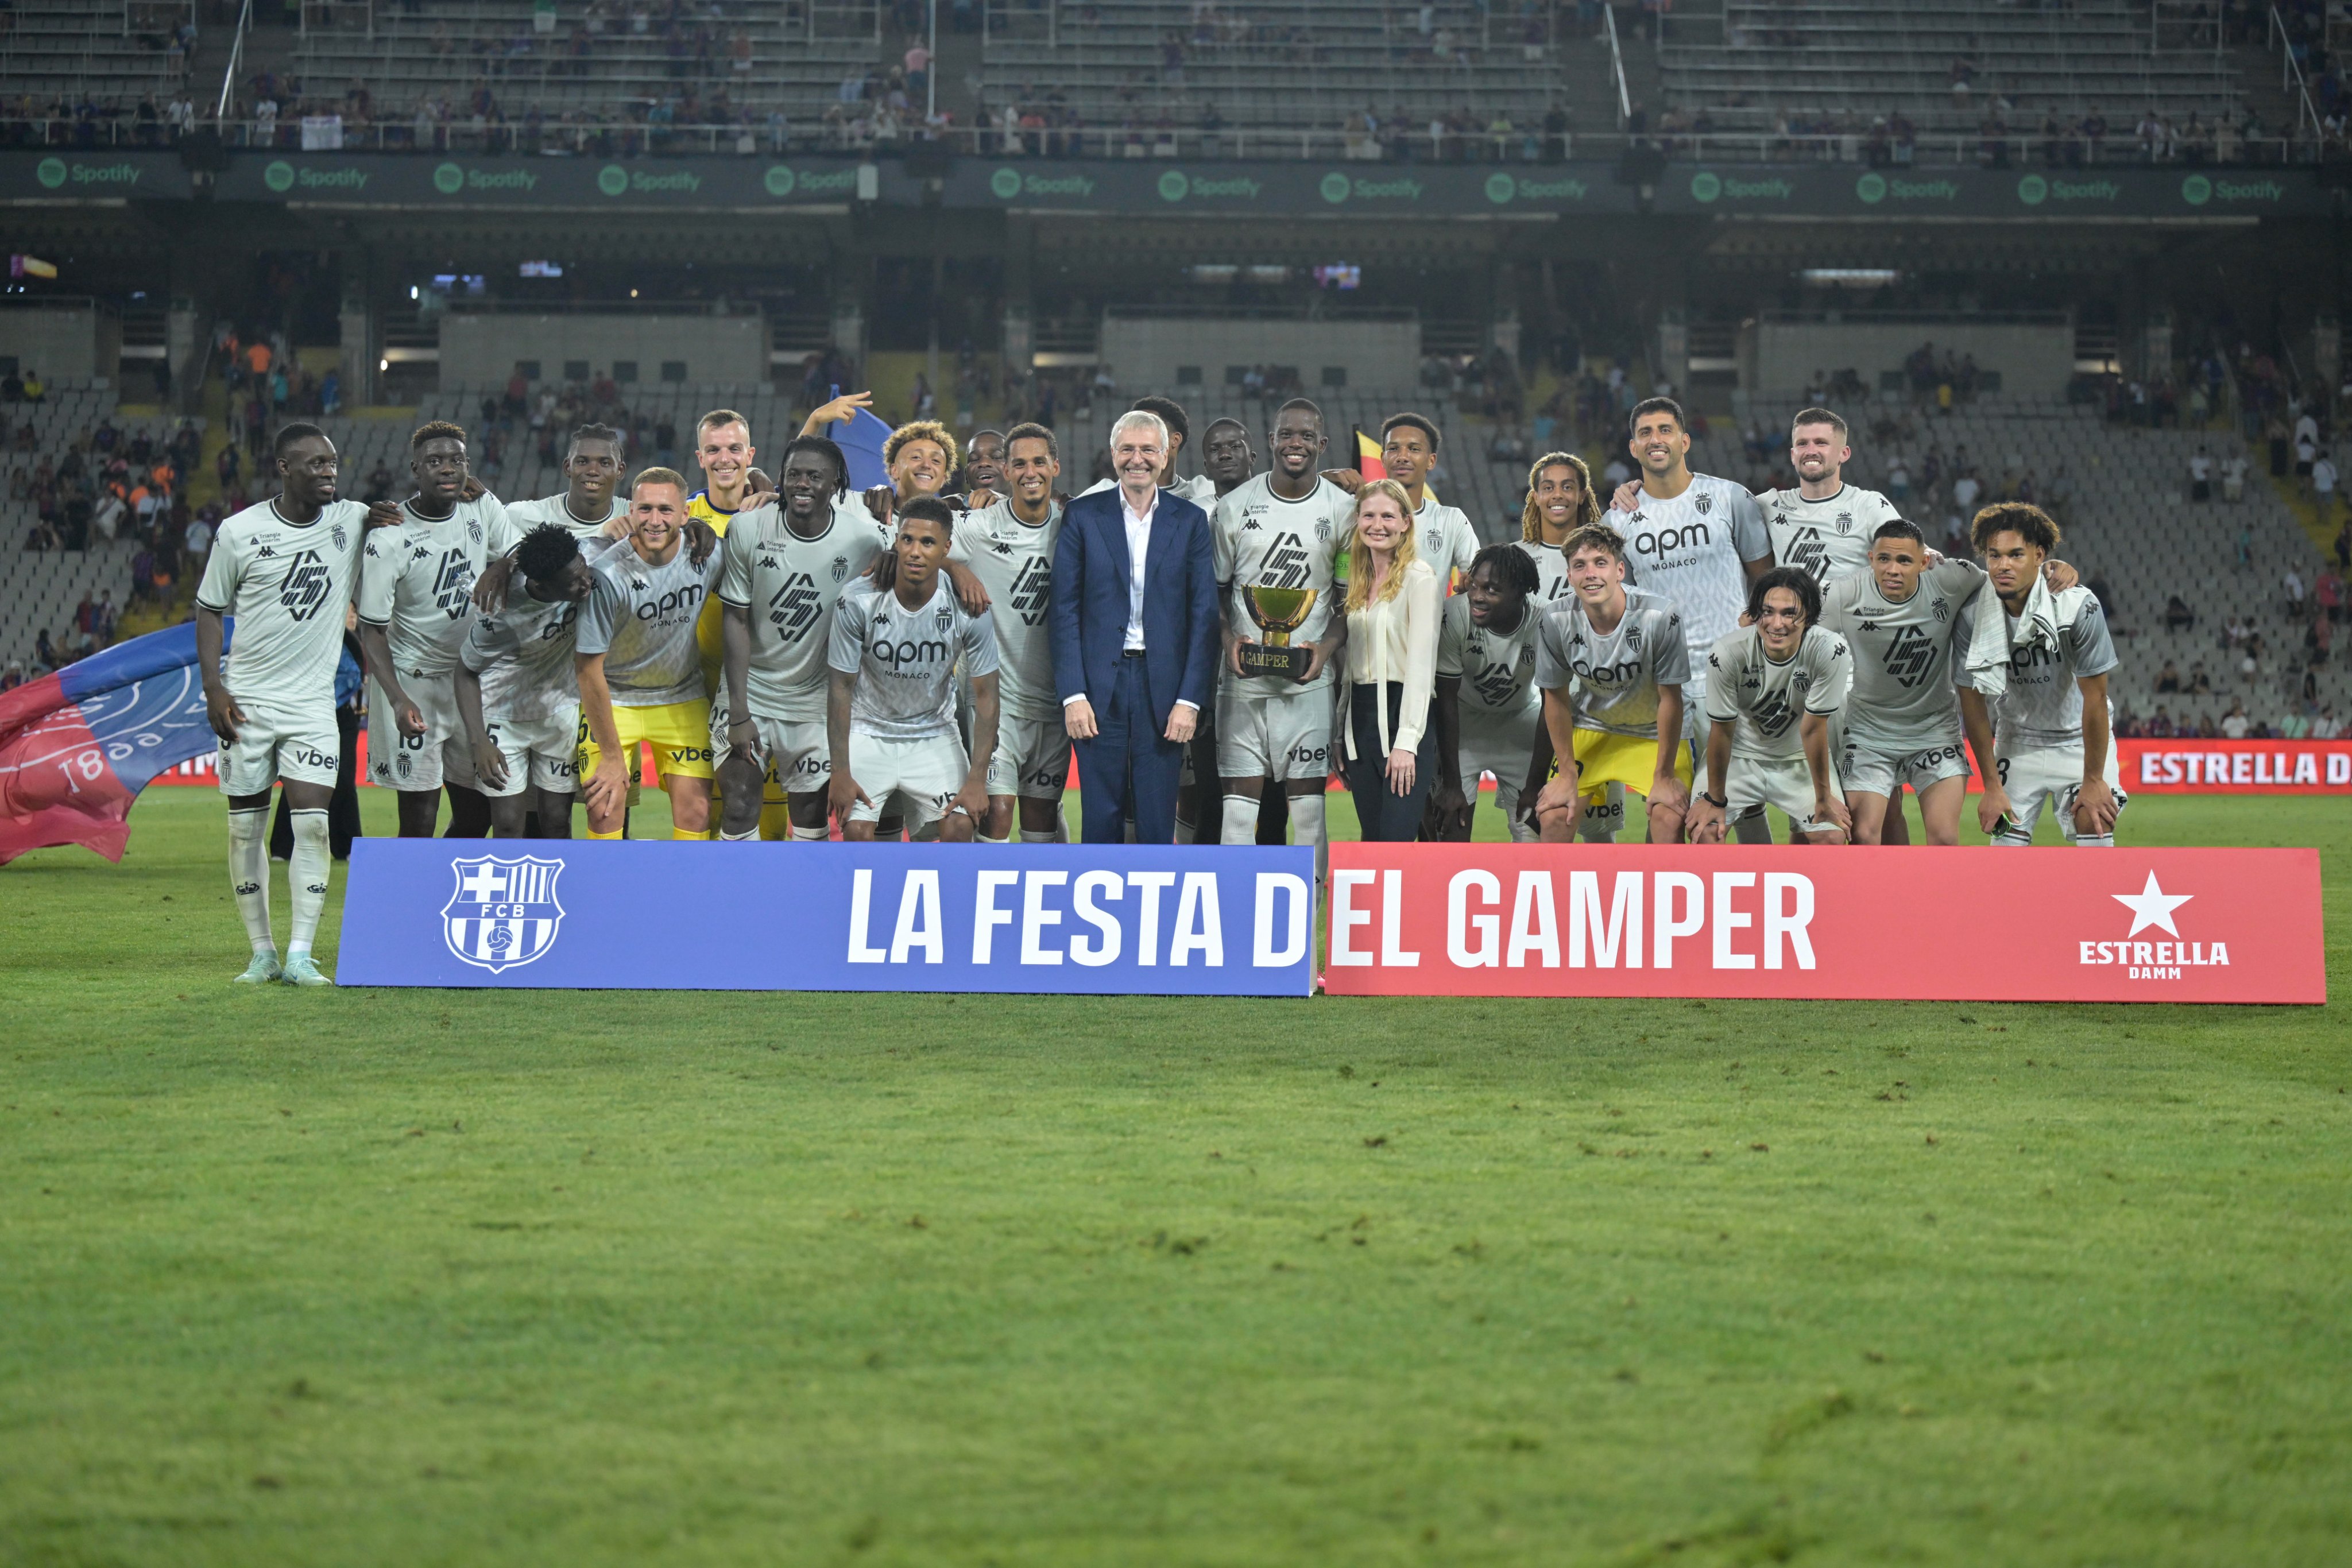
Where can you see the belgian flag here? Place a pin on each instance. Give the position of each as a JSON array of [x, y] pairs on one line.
[[1367, 457]]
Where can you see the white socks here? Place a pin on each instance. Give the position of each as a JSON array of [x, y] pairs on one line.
[[1032, 836], [2095, 841], [808, 835], [1306, 828], [248, 873], [984, 839], [727, 838], [1240, 819], [305, 878]]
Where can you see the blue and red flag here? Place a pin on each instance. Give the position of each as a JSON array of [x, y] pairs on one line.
[[77, 746], [860, 438]]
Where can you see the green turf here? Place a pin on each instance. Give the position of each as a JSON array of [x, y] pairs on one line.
[[411, 1278]]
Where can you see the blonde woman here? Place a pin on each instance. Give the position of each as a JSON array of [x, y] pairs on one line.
[[1560, 501], [1393, 603]]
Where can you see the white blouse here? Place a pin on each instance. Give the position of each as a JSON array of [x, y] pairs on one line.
[[1395, 640]]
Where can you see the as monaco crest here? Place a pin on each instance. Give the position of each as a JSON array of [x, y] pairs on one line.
[[503, 913]]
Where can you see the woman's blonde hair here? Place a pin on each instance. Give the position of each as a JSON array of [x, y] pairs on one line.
[[1531, 519], [1360, 554]]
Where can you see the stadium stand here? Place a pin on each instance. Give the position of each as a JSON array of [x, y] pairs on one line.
[[54, 555], [1829, 74], [1145, 66], [93, 60], [477, 75]]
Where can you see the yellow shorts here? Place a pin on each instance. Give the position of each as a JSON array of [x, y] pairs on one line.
[[680, 734], [1604, 758]]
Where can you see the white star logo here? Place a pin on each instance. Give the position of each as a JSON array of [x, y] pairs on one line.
[[2151, 906]]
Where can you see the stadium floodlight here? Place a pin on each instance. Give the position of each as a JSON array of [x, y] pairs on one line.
[[1851, 277]]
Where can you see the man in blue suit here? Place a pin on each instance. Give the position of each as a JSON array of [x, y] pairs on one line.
[[1134, 634]]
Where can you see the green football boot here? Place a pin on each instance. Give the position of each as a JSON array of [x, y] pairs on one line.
[[264, 969], [300, 970]]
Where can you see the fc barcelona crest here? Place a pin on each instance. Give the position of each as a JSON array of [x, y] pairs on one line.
[[503, 913]]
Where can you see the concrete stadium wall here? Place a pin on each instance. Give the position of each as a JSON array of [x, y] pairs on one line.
[[481, 349], [2030, 359], [1151, 351], [62, 344]]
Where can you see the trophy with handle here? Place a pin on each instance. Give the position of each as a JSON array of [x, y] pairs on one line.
[[1278, 612]]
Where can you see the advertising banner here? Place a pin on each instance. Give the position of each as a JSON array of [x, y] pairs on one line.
[[1844, 191], [1091, 920], [2184, 766], [1958, 924], [411, 180], [1292, 189], [93, 176]]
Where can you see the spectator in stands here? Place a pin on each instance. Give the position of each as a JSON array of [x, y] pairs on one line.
[[2294, 590], [12, 388], [2323, 486], [34, 390], [199, 542], [2233, 477], [45, 651], [2168, 680], [2200, 476], [2329, 592], [2200, 683], [108, 517], [2234, 723], [2324, 727], [41, 536], [11, 677]]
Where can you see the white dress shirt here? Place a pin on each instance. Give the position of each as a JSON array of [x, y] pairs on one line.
[[1139, 544]]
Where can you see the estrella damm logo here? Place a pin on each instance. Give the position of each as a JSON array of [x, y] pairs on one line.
[[448, 178], [1004, 184], [278, 176], [612, 179], [1705, 186]]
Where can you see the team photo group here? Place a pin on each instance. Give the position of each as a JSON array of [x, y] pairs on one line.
[[928, 658]]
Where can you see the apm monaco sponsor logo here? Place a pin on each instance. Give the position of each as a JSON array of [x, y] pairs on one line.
[[2152, 907]]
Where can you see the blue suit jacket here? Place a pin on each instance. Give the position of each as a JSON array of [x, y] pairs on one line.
[[1087, 627]]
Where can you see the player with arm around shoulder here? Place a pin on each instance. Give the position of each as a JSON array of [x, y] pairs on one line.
[[1489, 715], [1775, 687], [2052, 737], [517, 688]]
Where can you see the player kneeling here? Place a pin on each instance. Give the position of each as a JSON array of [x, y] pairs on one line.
[[1773, 689], [2050, 733], [890, 716], [518, 692], [1612, 661]]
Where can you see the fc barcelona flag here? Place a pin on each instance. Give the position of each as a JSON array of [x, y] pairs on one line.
[[77, 746]]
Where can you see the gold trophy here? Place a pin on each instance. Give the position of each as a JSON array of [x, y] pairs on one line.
[[1278, 612]]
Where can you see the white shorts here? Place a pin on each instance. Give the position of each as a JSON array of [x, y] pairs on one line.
[[1755, 783], [2051, 776], [1032, 760], [422, 762], [1503, 752], [299, 744], [1282, 737], [919, 775], [795, 752], [1870, 772], [540, 753]]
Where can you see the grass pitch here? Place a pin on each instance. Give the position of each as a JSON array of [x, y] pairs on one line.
[[457, 1278]]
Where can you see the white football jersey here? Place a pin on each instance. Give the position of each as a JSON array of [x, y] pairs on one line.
[[417, 580], [1691, 551], [789, 586], [1828, 537], [1014, 562], [1762, 698], [1264, 541], [285, 586]]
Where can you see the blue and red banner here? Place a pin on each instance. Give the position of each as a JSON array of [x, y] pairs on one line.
[[77, 746]]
